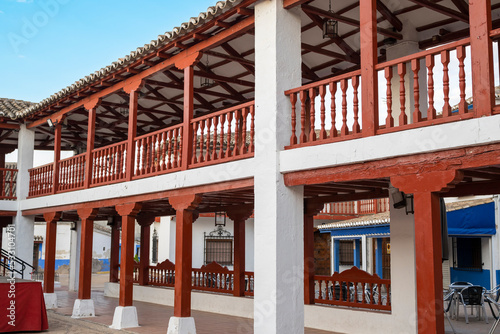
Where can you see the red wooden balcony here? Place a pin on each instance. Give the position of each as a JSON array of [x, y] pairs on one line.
[[330, 110], [354, 208], [8, 177], [219, 137]]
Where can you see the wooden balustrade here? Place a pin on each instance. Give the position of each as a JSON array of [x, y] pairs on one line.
[[249, 283], [8, 179], [108, 164], [158, 152], [354, 288], [495, 40], [224, 135], [213, 277], [312, 123], [404, 88], [41, 180], [163, 274], [370, 206], [72, 173]]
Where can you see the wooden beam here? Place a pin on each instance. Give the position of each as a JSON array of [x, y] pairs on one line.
[[389, 16], [443, 10]]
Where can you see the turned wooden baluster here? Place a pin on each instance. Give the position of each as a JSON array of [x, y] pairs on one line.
[[209, 125], [303, 99], [312, 114], [462, 105], [119, 161], [174, 143], [214, 150], [252, 128], [355, 84], [179, 140], [138, 156], [293, 101], [169, 144], [322, 93], [145, 151], [429, 62], [222, 123], [389, 121], [237, 132], [333, 114], [163, 148], [229, 121], [445, 60], [344, 131], [403, 119], [194, 158], [243, 148], [415, 67]]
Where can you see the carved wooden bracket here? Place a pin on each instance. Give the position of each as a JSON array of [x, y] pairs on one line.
[[52, 217]]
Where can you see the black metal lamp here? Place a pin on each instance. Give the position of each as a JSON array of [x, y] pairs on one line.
[[220, 218], [330, 26], [206, 82]]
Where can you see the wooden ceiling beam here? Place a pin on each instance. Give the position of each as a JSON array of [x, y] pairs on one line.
[[443, 10], [389, 16]]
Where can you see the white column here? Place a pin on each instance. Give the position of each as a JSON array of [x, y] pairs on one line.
[[279, 291], [364, 253], [25, 225], [403, 271], [74, 258]]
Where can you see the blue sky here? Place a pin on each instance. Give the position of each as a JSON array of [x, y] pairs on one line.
[[47, 45]]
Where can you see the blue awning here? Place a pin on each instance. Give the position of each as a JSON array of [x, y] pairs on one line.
[[476, 220], [370, 230]]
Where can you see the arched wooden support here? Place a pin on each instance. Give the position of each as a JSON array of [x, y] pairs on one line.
[[145, 220], [184, 206], [424, 188], [310, 210], [128, 212], [51, 220], [239, 216], [87, 216]]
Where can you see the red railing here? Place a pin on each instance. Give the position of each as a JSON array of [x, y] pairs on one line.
[[163, 274], [41, 180], [312, 123], [158, 152], [429, 103], [213, 277], [108, 164], [8, 177], [363, 207], [224, 135], [249, 281], [494, 35], [72, 173], [354, 288]]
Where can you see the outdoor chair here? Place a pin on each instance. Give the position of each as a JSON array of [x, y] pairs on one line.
[[473, 296], [449, 298], [491, 297]]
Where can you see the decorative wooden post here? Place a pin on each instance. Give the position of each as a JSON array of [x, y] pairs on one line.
[[184, 206], [57, 156], [481, 57], [369, 81], [145, 220], [115, 249], [239, 217], [51, 220], [92, 108], [310, 210], [128, 212], [424, 188], [132, 89]]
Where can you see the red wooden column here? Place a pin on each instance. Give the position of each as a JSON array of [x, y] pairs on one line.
[[128, 212], [424, 188], [369, 81], [92, 108], [57, 157], [51, 220], [115, 249], [184, 206], [133, 90], [239, 217], [145, 220], [310, 210], [87, 216], [481, 57]]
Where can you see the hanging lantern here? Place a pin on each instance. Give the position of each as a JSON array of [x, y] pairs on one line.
[[220, 219], [330, 26], [206, 82]]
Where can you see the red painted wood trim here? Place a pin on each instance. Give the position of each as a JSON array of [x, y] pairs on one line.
[[308, 259], [187, 138], [483, 88], [426, 123], [323, 82], [90, 146], [50, 250], [132, 131], [57, 157], [87, 217]]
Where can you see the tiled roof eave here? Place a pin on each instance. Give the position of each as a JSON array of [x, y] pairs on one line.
[[162, 40]]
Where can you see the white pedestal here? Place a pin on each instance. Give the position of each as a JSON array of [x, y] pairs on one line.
[[181, 326], [50, 300], [125, 317], [83, 308]]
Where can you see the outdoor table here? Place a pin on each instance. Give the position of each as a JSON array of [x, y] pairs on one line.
[[29, 313]]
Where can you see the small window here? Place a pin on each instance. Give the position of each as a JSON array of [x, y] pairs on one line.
[[346, 253], [468, 253], [219, 249]]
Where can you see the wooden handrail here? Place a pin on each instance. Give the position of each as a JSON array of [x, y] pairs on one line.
[[323, 82]]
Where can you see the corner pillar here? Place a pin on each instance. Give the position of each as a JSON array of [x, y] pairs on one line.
[[132, 89], [51, 220], [425, 188], [310, 210], [92, 109], [84, 306], [182, 322], [145, 221], [239, 217]]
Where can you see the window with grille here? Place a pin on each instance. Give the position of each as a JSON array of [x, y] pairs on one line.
[[468, 254], [219, 249], [346, 253]]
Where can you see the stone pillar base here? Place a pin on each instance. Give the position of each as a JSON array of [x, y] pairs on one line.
[[83, 308], [50, 300], [125, 317], [178, 325]]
